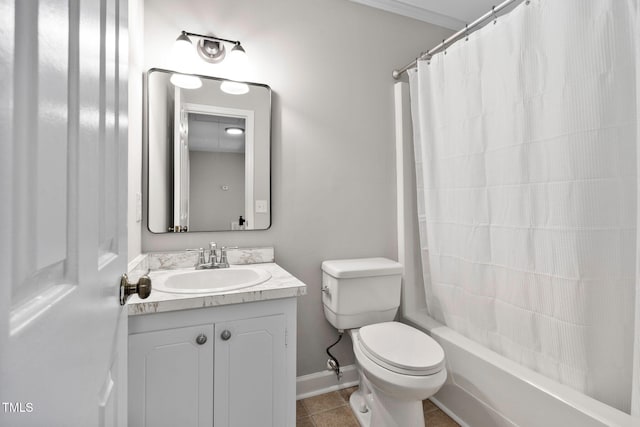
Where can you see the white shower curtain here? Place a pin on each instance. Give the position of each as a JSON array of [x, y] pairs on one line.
[[526, 152]]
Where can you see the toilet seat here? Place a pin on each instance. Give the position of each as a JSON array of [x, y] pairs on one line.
[[401, 348]]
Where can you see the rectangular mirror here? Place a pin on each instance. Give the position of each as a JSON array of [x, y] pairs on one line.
[[208, 154]]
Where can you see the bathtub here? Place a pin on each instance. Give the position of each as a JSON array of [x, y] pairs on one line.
[[484, 389]]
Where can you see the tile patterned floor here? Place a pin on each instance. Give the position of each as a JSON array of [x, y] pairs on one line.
[[332, 410]]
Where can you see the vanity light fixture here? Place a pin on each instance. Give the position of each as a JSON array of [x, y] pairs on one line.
[[211, 48], [234, 130]]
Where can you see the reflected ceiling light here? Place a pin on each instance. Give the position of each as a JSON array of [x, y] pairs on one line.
[[185, 81], [211, 48], [234, 88], [234, 130]]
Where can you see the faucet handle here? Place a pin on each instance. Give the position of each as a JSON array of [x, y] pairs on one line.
[[223, 255], [200, 251]]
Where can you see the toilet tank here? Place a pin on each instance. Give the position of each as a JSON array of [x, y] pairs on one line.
[[359, 292]]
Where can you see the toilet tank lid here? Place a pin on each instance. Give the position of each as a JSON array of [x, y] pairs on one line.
[[361, 267]]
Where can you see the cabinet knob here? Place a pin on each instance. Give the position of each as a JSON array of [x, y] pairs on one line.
[[225, 335], [201, 339]]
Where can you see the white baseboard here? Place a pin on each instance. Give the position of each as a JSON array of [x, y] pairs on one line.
[[325, 381]]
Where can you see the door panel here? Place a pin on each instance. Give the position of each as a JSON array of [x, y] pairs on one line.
[[64, 160], [41, 198], [171, 378], [250, 372]]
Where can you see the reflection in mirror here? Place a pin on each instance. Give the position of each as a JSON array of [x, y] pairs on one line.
[[216, 156], [208, 156]]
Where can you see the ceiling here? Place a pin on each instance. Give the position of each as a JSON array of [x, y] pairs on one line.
[[207, 133], [452, 14]]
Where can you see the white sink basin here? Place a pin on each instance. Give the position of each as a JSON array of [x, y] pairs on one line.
[[209, 281]]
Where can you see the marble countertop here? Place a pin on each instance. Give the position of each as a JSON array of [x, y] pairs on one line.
[[281, 285]]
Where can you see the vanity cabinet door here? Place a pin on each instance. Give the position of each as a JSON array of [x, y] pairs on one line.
[[171, 377], [250, 376]]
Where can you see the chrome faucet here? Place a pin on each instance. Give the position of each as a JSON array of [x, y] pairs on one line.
[[211, 259], [213, 254], [206, 258]]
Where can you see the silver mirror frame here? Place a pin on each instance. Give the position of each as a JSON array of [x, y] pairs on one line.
[[145, 151]]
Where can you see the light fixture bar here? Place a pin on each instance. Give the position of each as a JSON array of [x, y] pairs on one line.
[[211, 48], [212, 38]]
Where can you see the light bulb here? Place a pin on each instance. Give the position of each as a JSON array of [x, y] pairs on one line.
[[182, 48], [238, 56]]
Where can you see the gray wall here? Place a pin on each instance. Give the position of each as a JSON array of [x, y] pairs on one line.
[[333, 175], [211, 207]]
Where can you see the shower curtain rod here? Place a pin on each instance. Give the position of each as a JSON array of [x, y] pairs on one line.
[[468, 29]]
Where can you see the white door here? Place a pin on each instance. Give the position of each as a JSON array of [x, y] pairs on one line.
[[63, 168]]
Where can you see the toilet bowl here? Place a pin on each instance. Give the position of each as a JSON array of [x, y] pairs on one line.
[[398, 365], [396, 392]]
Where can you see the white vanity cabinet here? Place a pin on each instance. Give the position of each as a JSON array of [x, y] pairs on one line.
[[226, 366]]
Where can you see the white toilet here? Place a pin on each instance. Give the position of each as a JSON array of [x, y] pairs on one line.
[[399, 366]]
